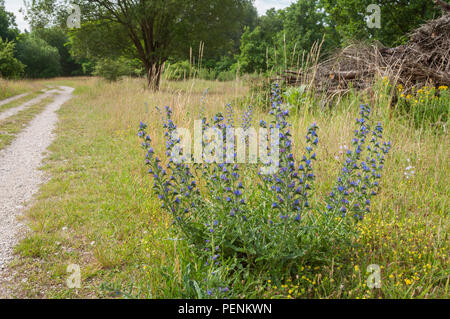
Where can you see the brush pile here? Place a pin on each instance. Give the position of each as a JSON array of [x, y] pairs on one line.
[[424, 60]]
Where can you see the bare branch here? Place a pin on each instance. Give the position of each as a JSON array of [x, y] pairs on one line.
[[444, 5]]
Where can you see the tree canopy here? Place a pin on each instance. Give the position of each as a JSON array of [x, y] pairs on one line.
[[154, 30], [398, 18], [41, 59], [10, 67], [8, 27], [215, 38]]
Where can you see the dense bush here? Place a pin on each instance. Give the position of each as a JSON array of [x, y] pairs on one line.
[[182, 70], [41, 59], [178, 71], [426, 107], [10, 67], [272, 226], [226, 76], [58, 39], [111, 69]]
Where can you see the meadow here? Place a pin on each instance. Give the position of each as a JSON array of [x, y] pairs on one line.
[[98, 209]]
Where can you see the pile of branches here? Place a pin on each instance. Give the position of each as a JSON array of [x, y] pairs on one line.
[[424, 60]]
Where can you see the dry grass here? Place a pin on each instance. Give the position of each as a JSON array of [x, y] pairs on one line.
[[11, 88], [98, 210]]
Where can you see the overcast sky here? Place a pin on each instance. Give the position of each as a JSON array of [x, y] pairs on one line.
[[14, 6], [262, 6]]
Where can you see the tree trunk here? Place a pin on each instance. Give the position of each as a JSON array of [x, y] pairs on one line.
[[153, 71]]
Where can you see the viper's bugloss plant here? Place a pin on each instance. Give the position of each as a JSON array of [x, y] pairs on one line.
[[235, 215]]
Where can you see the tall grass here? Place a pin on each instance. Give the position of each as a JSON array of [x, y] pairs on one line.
[[11, 88], [98, 209]]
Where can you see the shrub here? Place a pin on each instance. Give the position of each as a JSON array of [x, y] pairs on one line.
[[10, 67], [111, 69], [41, 59], [273, 226], [182, 70], [57, 38], [226, 76], [206, 74], [428, 106], [178, 71], [260, 88]]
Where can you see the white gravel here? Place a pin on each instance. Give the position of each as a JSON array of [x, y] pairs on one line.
[[15, 110], [20, 177], [12, 99]]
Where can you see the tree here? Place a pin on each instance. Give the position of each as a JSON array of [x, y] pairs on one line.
[[57, 38], [10, 67], [304, 23], [398, 18], [155, 29], [257, 51], [41, 59], [283, 35], [253, 51], [8, 27]]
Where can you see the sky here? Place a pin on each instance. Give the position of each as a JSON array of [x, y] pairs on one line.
[[14, 6], [262, 6]]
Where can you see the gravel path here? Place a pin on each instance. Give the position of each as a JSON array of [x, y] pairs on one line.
[[15, 110], [12, 99], [20, 178]]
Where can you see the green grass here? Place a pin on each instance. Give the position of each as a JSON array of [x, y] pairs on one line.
[[19, 102], [11, 126], [98, 210]]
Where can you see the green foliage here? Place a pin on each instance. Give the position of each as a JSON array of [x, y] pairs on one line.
[[303, 25], [111, 69], [41, 59], [178, 71], [153, 31], [426, 107], [258, 48], [183, 70], [253, 51], [226, 76], [295, 96], [281, 38], [268, 226], [98, 39], [8, 27], [260, 92], [397, 18], [10, 67], [57, 38]]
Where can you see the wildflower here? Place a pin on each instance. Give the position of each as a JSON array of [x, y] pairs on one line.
[[409, 170]]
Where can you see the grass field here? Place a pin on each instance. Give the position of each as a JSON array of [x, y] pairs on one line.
[[11, 126], [19, 101], [98, 209], [11, 88]]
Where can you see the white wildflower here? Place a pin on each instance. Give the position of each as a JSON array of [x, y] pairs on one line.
[[409, 170]]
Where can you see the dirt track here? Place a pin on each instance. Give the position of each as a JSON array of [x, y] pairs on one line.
[[20, 177]]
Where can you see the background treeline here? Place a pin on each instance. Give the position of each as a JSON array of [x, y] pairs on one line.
[[209, 39]]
